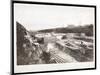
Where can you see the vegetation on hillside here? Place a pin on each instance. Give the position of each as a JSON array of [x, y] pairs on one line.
[[87, 29]]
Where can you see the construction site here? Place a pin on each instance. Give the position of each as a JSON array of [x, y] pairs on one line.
[[52, 47]]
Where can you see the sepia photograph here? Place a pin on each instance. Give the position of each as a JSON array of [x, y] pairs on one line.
[[53, 35]]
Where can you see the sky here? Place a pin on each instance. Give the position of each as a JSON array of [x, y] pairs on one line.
[[38, 17]]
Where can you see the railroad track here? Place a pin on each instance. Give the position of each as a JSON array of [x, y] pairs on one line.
[[57, 58], [61, 57]]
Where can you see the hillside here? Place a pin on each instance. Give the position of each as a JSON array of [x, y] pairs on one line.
[[87, 29]]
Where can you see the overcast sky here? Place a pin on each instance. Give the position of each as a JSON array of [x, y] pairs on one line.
[[37, 17]]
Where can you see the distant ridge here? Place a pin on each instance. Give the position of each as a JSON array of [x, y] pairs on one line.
[[87, 29]]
